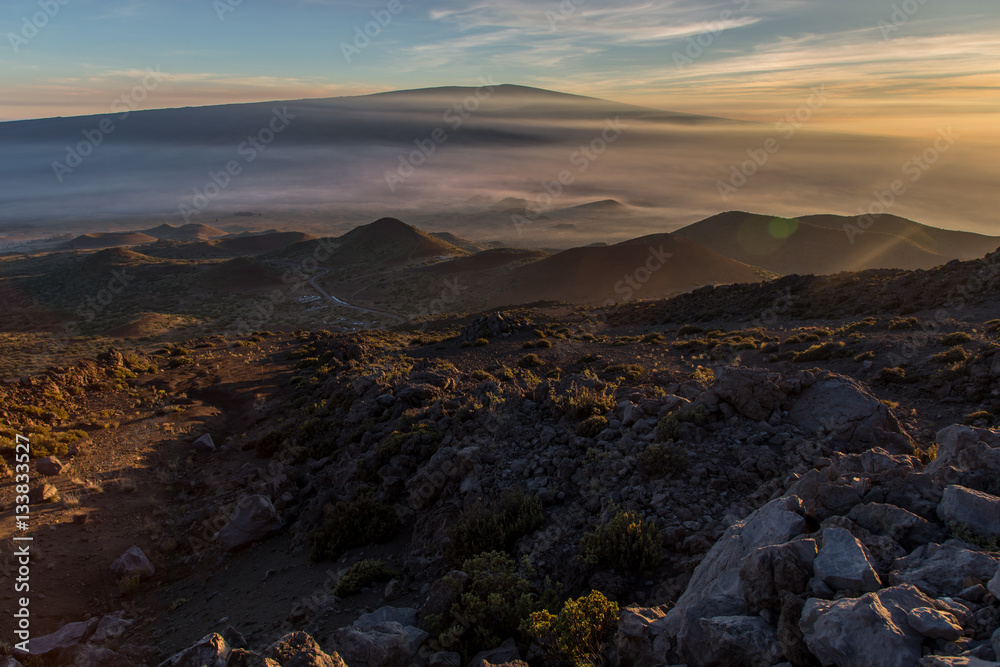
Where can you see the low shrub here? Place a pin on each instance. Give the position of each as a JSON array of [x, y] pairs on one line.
[[591, 427], [529, 361], [493, 526], [624, 540], [954, 355], [663, 460], [821, 352], [899, 323], [362, 574], [957, 338], [578, 634], [353, 523]]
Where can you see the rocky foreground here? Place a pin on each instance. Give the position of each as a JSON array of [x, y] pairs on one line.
[[799, 520]]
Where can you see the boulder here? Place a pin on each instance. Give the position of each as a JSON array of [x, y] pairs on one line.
[[934, 623], [995, 640], [43, 493], [244, 658], [210, 651], [253, 519], [642, 636], [298, 649], [943, 569], [64, 637], [822, 498], [49, 466], [752, 393], [445, 659], [766, 572], [506, 652], [715, 588], [841, 409], [906, 528], [133, 562], [978, 511], [870, 631], [966, 448], [109, 628], [844, 564], [405, 616], [994, 588], [740, 640], [385, 644]]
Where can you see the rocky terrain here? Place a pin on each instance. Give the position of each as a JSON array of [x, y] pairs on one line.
[[795, 473]]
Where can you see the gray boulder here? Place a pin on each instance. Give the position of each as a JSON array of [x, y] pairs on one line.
[[966, 448], [405, 616], [934, 623], [110, 628], [64, 637], [844, 564], [994, 588], [642, 636], [767, 572], [896, 523], [210, 651], [943, 569], [870, 631], [841, 409], [253, 519], [752, 393], [42, 493], [133, 562], [49, 466], [978, 511], [715, 588], [385, 644], [741, 640]]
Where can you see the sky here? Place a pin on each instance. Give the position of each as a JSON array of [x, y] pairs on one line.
[[902, 67]]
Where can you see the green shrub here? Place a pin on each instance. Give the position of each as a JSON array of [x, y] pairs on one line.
[[268, 444], [577, 635], [495, 602], [663, 460], [625, 540], [954, 355], [493, 526], [362, 574], [899, 323], [821, 352], [543, 344], [353, 523], [669, 428], [591, 427], [964, 533], [584, 402], [957, 338], [481, 342], [895, 375], [529, 361], [973, 417]]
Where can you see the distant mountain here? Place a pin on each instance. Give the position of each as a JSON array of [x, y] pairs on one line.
[[108, 240], [649, 267], [822, 244], [189, 232], [259, 244], [459, 242]]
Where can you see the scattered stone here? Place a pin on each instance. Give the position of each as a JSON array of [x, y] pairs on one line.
[[896, 523], [133, 562], [741, 640], [253, 519], [298, 649], [977, 511], [844, 564], [642, 638], [210, 651], [49, 466], [110, 628], [771, 570], [445, 659], [84, 655], [934, 623], [43, 493], [204, 444]]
